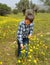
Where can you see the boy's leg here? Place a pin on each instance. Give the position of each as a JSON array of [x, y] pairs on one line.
[[19, 48], [26, 42], [27, 50]]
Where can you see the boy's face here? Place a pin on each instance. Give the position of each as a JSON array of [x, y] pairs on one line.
[[27, 22]]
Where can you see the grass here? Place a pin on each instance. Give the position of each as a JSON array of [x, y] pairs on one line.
[[8, 31]]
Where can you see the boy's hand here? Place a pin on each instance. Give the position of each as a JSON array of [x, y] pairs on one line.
[[21, 45], [30, 36]]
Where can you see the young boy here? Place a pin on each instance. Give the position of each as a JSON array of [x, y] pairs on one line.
[[25, 30]]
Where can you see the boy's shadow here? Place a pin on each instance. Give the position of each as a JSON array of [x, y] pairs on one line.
[[16, 52]]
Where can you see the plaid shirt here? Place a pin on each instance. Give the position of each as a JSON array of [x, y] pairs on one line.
[[24, 30]]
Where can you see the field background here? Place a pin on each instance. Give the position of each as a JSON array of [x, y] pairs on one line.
[[8, 32]]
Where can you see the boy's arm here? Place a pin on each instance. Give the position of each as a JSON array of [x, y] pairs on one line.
[[20, 36], [19, 33]]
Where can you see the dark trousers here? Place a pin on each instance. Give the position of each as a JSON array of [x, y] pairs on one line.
[[25, 42]]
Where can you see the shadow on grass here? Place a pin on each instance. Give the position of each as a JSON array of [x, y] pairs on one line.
[[16, 53]]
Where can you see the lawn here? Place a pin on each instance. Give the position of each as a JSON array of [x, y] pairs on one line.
[[39, 53]]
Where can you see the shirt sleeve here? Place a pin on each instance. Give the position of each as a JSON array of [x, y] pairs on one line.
[[19, 33], [31, 28]]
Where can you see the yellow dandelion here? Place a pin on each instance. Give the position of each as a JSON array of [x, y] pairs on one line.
[[46, 47], [30, 56], [43, 44], [42, 53], [34, 37], [41, 35], [4, 34], [0, 62], [23, 63], [34, 47], [31, 50], [8, 26], [38, 45], [37, 39], [35, 61], [46, 59], [19, 61], [31, 38], [23, 51], [30, 46], [29, 60]]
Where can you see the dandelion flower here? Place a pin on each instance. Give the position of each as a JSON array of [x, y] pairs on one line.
[[46, 47], [38, 45], [0, 62], [42, 53], [30, 56], [23, 51], [35, 61], [28, 52], [29, 60], [31, 50], [41, 35], [19, 61], [43, 44], [34, 37], [34, 47], [4, 34]]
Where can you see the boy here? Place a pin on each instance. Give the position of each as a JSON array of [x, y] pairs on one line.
[[25, 30]]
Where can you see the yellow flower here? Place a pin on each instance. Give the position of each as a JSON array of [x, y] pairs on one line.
[[41, 35], [0, 62], [23, 51], [19, 61], [30, 46], [42, 53], [43, 44], [38, 45], [34, 47], [30, 56], [4, 34], [23, 63], [46, 59], [8, 26], [35, 61], [46, 47], [34, 37], [31, 50], [37, 39], [28, 52], [31, 38], [29, 60]]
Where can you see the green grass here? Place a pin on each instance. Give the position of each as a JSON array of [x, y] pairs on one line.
[[8, 32]]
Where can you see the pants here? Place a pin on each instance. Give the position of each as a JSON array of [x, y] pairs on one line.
[[25, 41]]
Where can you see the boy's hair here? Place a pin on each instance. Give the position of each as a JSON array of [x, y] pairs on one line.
[[30, 17]]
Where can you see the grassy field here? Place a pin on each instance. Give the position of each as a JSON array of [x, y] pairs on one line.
[[39, 53]]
